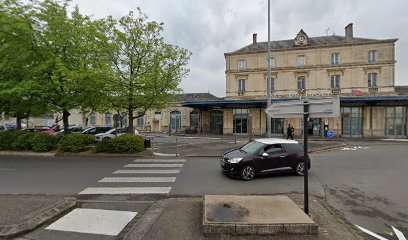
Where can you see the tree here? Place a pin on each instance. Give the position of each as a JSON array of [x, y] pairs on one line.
[[72, 72], [19, 95], [146, 71]]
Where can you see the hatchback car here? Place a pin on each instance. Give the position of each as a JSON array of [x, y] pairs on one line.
[[96, 130], [113, 133], [263, 156]]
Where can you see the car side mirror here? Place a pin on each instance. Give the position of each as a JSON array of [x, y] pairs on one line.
[[265, 154]]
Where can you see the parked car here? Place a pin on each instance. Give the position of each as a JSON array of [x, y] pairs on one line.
[[43, 129], [261, 156], [96, 130], [115, 132], [72, 129]]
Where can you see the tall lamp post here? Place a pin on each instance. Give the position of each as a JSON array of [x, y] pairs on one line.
[[268, 118]]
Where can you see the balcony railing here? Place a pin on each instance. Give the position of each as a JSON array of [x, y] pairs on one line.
[[373, 89], [336, 90]]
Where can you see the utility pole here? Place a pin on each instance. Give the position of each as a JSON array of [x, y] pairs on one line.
[[268, 118]]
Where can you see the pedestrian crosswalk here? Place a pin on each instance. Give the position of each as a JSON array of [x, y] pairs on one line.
[[142, 176]]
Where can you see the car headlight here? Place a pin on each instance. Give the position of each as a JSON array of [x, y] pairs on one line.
[[234, 160]]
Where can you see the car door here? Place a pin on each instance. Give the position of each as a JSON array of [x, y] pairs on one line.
[[275, 159]]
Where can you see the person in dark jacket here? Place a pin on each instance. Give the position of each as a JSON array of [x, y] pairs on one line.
[[290, 131]]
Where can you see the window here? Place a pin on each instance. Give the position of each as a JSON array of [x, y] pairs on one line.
[[272, 84], [108, 119], [301, 61], [335, 81], [372, 80], [93, 119], [372, 56], [273, 65], [241, 65], [194, 119], [240, 120], [140, 120], [301, 82], [124, 119], [241, 85], [335, 58]]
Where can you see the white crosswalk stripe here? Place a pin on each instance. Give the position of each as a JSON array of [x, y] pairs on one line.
[[164, 171], [143, 176], [138, 179], [164, 165], [159, 161]]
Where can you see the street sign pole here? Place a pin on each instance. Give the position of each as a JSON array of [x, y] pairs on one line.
[[306, 164]]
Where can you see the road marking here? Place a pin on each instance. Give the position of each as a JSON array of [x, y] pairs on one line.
[[167, 165], [146, 171], [159, 161], [93, 221], [126, 190], [371, 233], [137, 179], [397, 232]]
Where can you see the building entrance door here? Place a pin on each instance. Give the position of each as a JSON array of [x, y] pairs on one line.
[[352, 121], [216, 122], [395, 122], [175, 121], [314, 126]]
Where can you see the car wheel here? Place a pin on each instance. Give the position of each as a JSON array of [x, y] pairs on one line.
[[300, 168], [247, 173]]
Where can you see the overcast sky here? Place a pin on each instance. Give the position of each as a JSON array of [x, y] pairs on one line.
[[209, 28]]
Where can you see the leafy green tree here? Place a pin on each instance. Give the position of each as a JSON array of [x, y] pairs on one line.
[[146, 71], [53, 55], [19, 94]]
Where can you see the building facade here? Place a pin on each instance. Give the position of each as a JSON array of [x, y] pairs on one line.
[[360, 71]]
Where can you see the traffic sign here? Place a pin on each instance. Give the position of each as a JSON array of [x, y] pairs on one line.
[[318, 108], [330, 134]]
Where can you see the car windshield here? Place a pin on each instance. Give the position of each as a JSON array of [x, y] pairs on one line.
[[252, 147]]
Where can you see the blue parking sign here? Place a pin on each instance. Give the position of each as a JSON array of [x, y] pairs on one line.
[[330, 134]]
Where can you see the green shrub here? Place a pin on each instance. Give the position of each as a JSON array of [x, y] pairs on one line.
[[23, 141], [127, 143], [75, 142], [104, 146], [42, 142], [8, 137]]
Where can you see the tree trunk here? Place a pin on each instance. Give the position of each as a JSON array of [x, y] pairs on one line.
[[18, 122], [65, 115], [130, 127]]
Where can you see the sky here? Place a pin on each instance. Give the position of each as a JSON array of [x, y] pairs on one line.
[[210, 28]]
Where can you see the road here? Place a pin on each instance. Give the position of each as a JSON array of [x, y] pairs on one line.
[[364, 182]]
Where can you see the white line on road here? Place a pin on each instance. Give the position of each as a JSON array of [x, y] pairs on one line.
[[167, 165], [146, 171], [137, 179], [159, 160], [93, 221], [399, 234], [371, 233], [126, 190]]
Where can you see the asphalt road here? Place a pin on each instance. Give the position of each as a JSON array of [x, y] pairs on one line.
[[365, 182]]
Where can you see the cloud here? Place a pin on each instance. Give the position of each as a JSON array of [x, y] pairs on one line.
[[209, 28]]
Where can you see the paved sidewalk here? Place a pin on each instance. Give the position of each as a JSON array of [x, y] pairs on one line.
[[23, 213]]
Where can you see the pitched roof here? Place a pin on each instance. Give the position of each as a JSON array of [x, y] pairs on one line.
[[402, 90], [196, 97], [325, 41]]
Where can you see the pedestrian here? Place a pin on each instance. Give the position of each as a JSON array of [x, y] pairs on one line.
[[290, 131]]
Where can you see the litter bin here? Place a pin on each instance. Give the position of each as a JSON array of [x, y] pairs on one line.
[[147, 143]]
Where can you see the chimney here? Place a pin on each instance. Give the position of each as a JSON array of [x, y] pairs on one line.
[[254, 38], [349, 33]]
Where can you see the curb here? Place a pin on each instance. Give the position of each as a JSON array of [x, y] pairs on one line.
[[53, 212], [18, 153]]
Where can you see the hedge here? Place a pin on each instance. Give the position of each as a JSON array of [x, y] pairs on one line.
[[42, 142], [127, 143], [104, 146], [24, 141], [75, 142], [8, 137]]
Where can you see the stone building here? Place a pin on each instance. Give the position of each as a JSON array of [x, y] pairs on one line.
[[360, 71]]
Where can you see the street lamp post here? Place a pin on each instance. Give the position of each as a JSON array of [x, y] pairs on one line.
[[268, 121]]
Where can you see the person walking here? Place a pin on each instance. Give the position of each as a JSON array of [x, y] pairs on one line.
[[290, 131]]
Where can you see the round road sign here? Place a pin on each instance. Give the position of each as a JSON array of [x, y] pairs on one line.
[[330, 134]]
